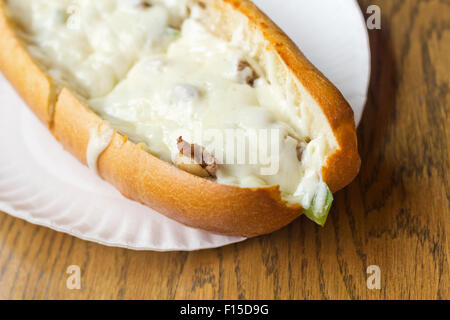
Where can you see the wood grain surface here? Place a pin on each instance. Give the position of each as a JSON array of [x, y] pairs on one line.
[[395, 215]]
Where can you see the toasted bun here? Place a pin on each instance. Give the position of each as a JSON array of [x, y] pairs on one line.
[[140, 176]]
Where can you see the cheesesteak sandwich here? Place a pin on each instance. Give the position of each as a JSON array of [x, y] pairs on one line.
[[203, 110]]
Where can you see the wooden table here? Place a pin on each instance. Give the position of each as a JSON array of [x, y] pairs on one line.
[[395, 215]]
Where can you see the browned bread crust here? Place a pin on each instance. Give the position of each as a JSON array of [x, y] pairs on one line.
[[33, 85], [140, 176]]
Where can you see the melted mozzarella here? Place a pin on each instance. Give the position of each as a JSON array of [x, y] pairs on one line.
[[100, 138], [154, 83]]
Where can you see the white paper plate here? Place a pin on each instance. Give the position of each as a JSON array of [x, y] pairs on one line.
[[43, 184]]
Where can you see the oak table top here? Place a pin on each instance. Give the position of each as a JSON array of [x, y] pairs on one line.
[[395, 215]]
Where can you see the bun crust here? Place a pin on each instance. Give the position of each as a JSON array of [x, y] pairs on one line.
[[140, 176]]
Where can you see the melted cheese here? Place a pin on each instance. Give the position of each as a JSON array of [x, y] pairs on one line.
[[154, 83], [99, 140]]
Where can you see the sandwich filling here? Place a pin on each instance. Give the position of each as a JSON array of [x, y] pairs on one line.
[[161, 74]]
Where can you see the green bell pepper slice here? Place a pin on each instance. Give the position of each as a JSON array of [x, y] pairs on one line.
[[320, 215]]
